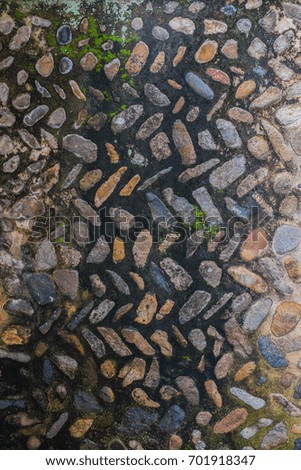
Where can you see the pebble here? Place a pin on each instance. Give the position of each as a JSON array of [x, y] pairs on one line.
[[11, 165], [21, 37], [182, 25], [95, 343], [137, 420], [230, 49], [137, 24], [4, 93], [172, 420], [257, 49], [132, 372], [224, 365], [249, 432], [199, 86], [229, 172], [194, 306], [286, 239], [206, 203], [286, 318], [245, 89], [85, 402], [232, 421], [213, 393], [80, 427], [137, 59], [42, 90], [197, 339], [258, 147], [240, 115], [244, 25], [159, 212], [247, 398], [123, 219], [146, 309], [45, 65], [229, 134], [206, 52], [183, 143], [188, 388], [67, 282], [214, 27], [40, 22], [18, 357], [177, 274], [211, 273], [35, 115], [293, 268], [159, 33], [41, 288], [160, 146], [142, 247], [257, 314], [160, 338], [7, 24], [64, 35], [22, 77], [271, 353], [57, 426], [149, 126], [99, 253], [218, 76], [277, 141], [7, 118], [133, 336], [126, 118], [80, 147], [6, 63], [248, 279], [65, 66], [57, 118], [276, 437]]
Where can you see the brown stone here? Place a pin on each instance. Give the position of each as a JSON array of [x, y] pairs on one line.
[[203, 418], [112, 68], [45, 65], [179, 105], [133, 336], [40, 349], [179, 56], [88, 62], [147, 309], [137, 58], [258, 147], [240, 115], [130, 186], [229, 49], [224, 366], [287, 379], [16, 335], [248, 279], [160, 338], [142, 398], [286, 318], [138, 280], [206, 52], [165, 309], [118, 250], [296, 428], [158, 62], [77, 91], [184, 143], [174, 84], [107, 188], [230, 422], [108, 369], [142, 247], [80, 427], [213, 393], [90, 179], [245, 371], [132, 371], [245, 89], [175, 442], [293, 268], [252, 247]]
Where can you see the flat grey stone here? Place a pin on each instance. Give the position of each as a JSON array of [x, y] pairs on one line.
[[101, 311], [189, 389], [207, 205], [287, 238], [35, 115], [155, 95], [159, 33], [257, 314], [180, 205], [276, 437], [199, 86], [197, 339], [96, 345], [194, 306], [254, 402], [229, 172], [100, 251], [229, 133], [179, 277], [127, 118], [80, 147], [45, 258], [159, 212], [41, 288]]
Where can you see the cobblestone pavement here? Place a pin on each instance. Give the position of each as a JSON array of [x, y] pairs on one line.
[[150, 251]]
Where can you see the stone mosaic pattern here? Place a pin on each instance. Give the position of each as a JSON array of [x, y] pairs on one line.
[[162, 309]]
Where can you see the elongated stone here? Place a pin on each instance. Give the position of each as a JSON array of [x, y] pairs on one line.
[[194, 306], [114, 341], [199, 86], [126, 119], [137, 58], [107, 188], [248, 279], [183, 143]]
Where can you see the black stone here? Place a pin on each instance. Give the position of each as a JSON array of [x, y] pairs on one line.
[[41, 288], [86, 402], [137, 420]]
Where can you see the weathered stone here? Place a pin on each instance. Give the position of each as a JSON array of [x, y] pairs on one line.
[[197, 339], [57, 118], [218, 76], [66, 65], [247, 398], [6, 145], [257, 314], [85, 402], [178, 276], [90, 179], [95, 343], [41, 288], [258, 147], [172, 420], [229, 133], [204, 200], [293, 268], [35, 115], [7, 24], [146, 309], [160, 338], [211, 273], [224, 365], [133, 336], [64, 35], [160, 214], [137, 58], [66, 364], [277, 141], [214, 27], [57, 426], [182, 25], [245, 89], [248, 279], [114, 341], [45, 65], [194, 306], [206, 52], [257, 49], [126, 118], [80, 147], [7, 118], [229, 49], [149, 126], [107, 188], [229, 172], [276, 437], [240, 115], [286, 318], [132, 371], [232, 421], [21, 37], [199, 86], [119, 283], [189, 389], [80, 427], [67, 281], [287, 238], [160, 146], [142, 247], [6, 63], [213, 393], [100, 251], [159, 33], [271, 353]]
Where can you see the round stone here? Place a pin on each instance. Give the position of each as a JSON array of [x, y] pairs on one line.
[[160, 33], [21, 102], [64, 35], [286, 318], [88, 62], [66, 65], [244, 26], [11, 165], [258, 147], [137, 24], [206, 52], [245, 89], [283, 183], [287, 238], [45, 65]]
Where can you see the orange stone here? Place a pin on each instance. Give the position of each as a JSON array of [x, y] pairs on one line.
[[248, 279], [230, 422], [108, 369], [112, 153], [137, 58], [130, 186], [118, 250], [179, 105], [138, 280], [16, 335], [206, 52], [245, 371], [158, 63], [142, 247], [174, 84], [293, 268], [252, 247], [165, 309], [245, 89], [213, 393], [286, 318], [80, 427], [147, 309], [108, 187], [179, 56]]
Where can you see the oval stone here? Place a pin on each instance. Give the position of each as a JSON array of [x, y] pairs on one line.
[[286, 318], [199, 86], [64, 35]]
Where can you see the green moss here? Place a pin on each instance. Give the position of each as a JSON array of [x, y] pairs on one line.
[[210, 231], [19, 14], [51, 39]]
